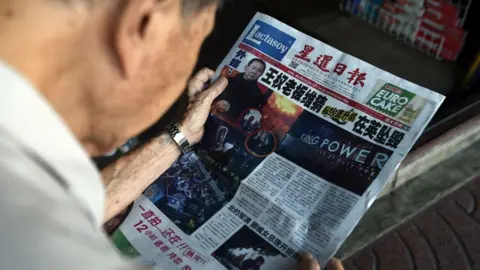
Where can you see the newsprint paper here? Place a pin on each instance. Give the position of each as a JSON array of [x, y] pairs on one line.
[[295, 151]]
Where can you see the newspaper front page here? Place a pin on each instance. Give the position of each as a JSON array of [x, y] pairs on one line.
[[295, 151]]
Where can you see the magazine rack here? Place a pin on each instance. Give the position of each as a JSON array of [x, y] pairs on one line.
[[418, 26]]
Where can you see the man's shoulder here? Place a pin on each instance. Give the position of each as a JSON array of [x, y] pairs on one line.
[[27, 184], [19, 170], [41, 222], [53, 163], [27, 172], [13, 154]]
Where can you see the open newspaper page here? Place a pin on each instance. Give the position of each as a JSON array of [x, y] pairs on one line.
[[295, 151]]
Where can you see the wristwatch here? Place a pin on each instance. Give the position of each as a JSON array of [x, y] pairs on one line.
[[178, 137]]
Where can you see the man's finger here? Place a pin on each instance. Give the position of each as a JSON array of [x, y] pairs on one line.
[[308, 262], [196, 84], [335, 264], [215, 89]]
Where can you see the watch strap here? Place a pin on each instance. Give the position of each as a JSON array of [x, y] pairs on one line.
[[180, 139]]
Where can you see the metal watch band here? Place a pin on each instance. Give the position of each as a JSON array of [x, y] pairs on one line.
[[178, 137]]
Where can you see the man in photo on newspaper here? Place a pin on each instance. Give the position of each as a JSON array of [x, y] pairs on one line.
[[242, 92], [79, 78]]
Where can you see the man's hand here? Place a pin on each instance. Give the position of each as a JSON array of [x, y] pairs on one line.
[[200, 103], [308, 262], [129, 176]]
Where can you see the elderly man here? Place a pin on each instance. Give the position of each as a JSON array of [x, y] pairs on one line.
[[78, 78]]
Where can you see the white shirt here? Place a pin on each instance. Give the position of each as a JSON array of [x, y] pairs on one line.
[[51, 195]]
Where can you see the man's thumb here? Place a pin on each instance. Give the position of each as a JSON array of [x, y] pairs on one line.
[[308, 262], [335, 264], [216, 88]]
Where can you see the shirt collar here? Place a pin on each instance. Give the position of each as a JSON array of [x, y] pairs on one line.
[[27, 116]]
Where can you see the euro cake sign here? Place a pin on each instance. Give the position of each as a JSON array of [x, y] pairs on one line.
[[390, 99]]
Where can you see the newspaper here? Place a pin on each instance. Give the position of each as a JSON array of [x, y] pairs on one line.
[[295, 151]]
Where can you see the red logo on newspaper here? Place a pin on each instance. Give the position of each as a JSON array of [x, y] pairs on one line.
[[393, 89], [303, 54], [195, 256]]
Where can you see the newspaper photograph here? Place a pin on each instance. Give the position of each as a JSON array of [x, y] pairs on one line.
[[296, 149]]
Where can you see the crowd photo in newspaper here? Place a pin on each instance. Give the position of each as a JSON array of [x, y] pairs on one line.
[[295, 150]]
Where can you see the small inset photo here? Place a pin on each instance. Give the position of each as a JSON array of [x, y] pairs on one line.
[[261, 144], [247, 250], [250, 121]]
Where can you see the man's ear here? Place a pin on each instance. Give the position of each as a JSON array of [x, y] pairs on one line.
[[130, 34]]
